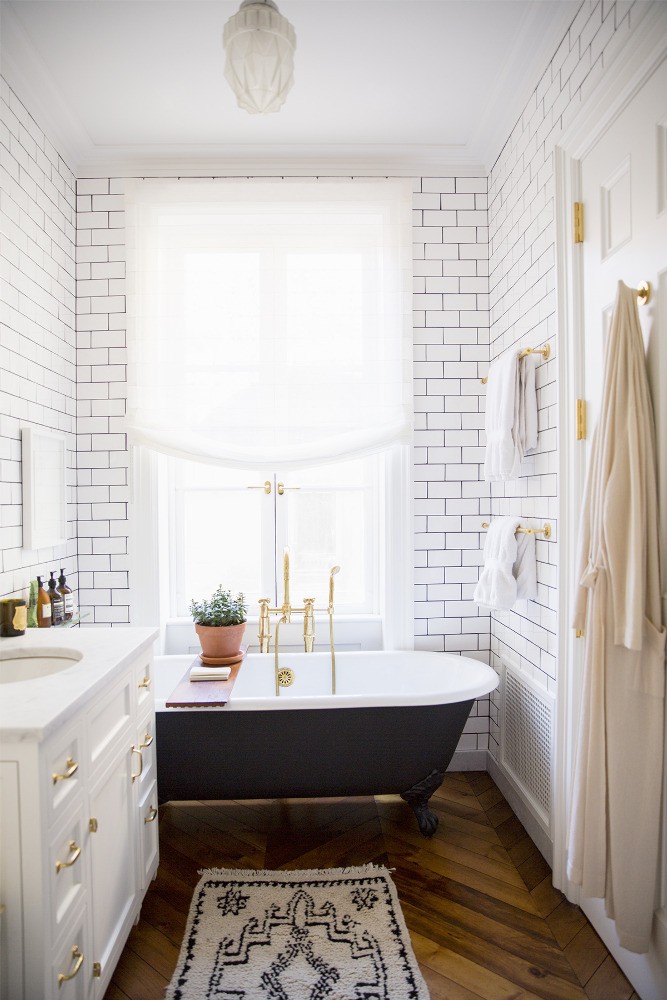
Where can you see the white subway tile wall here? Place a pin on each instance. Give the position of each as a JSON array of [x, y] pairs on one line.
[[103, 458], [451, 354], [523, 311], [37, 331]]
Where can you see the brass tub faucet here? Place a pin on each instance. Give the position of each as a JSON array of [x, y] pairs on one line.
[[286, 611]]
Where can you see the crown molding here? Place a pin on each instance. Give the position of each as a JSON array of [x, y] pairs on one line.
[[274, 160], [546, 22], [28, 76]]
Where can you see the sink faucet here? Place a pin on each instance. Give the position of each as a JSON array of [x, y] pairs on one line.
[[286, 611]]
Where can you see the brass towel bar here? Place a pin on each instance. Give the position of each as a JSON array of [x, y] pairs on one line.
[[544, 530], [544, 351]]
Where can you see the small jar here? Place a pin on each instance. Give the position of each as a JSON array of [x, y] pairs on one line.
[[13, 616]]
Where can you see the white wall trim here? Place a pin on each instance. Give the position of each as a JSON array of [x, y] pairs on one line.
[[469, 760], [278, 161], [532, 825]]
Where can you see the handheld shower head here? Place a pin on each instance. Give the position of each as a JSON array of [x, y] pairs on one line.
[[332, 573]]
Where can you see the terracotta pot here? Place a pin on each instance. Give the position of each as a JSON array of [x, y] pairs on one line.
[[220, 640]]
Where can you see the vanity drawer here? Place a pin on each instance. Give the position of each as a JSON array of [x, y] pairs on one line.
[[143, 679], [146, 744], [71, 972], [67, 869], [64, 766]]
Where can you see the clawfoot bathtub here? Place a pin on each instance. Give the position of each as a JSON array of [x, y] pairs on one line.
[[392, 727]]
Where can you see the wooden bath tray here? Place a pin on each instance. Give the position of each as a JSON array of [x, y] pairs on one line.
[[203, 694]]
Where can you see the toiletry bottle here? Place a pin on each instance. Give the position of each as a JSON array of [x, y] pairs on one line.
[[67, 596], [57, 602], [43, 605], [32, 605]]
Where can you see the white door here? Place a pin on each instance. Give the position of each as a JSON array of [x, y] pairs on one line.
[[624, 192]]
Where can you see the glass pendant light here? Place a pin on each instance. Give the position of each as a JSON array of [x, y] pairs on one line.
[[259, 43]]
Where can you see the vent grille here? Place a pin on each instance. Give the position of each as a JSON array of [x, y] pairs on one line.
[[527, 739]]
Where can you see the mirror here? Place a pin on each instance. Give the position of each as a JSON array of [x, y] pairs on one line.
[[44, 488]]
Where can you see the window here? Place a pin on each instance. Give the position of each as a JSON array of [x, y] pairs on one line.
[[269, 340], [229, 525]]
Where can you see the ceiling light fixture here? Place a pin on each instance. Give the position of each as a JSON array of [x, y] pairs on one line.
[[259, 43]]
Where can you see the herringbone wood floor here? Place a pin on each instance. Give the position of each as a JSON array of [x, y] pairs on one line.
[[484, 919]]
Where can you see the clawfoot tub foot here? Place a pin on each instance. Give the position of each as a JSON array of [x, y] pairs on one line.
[[417, 798]]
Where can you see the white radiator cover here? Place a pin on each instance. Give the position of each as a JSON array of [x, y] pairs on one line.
[[526, 741]]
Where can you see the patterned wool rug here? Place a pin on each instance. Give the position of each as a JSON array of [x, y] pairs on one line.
[[335, 934]]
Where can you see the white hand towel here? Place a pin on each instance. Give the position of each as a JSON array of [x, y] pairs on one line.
[[524, 570], [527, 409], [502, 459], [497, 586]]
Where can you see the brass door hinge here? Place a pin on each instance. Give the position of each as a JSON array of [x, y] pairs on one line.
[[581, 419], [92, 824], [97, 970], [579, 633], [578, 222]]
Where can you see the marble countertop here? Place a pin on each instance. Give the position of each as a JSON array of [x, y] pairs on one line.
[[32, 709]]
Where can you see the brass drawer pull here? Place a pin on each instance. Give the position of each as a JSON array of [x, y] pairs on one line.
[[146, 683], [141, 764], [281, 488], [151, 816], [76, 851], [147, 741], [76, 954], [72, 768]]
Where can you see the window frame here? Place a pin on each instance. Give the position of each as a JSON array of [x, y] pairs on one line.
[[393, 628]]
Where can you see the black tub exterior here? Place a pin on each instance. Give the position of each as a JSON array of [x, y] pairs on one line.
[[292, 753]]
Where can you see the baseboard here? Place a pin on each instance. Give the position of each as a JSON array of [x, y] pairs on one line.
[[468, 760], [523, 812], [647, 973]]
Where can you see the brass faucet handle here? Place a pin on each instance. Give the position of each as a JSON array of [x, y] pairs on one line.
[[264, 633], [308, 624]]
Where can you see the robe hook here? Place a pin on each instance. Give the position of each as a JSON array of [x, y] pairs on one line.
[[644, 292]]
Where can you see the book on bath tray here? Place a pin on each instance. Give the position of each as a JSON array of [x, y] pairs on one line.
[[209, 669], [198, 672]]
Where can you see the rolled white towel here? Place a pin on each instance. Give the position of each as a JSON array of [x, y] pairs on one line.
[[502, 459], [497, 586]]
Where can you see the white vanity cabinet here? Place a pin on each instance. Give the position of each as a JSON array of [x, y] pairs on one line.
[[83, 837]]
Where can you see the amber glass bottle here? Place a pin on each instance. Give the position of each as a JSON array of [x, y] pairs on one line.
[[67, 596], [43, 605], [57, 602]]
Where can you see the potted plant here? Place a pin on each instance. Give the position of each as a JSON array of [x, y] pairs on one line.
[[220, 623]]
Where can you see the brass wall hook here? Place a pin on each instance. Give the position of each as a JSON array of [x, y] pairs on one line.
[[644, 292]]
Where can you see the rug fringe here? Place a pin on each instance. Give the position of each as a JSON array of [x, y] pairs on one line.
[[270, 873]]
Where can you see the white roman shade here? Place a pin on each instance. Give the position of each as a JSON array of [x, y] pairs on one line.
[[269, 321]]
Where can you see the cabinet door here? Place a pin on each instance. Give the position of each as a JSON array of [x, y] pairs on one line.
[[113, 859]]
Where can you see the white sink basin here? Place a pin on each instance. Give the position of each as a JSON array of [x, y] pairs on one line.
[[29, 664]]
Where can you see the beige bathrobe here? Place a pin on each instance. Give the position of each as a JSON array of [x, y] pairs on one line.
[[613, 840]]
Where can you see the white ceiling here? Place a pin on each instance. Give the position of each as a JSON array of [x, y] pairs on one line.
[[402, 85]]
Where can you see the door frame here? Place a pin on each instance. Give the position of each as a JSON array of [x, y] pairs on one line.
[[644, 50]]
